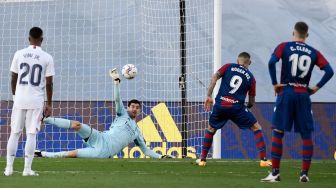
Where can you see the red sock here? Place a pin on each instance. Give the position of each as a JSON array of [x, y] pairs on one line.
[[207, 142], [307, 154], [260, 143], [276, 149]]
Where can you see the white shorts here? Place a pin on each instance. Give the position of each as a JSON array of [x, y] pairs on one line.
[[28, 118]]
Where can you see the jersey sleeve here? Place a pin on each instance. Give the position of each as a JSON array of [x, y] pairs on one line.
[[279, 50], [120, 109], [321, 60], [15, 65], [327, 75], [252, 90], [277, 54], [50, 71], [222, 70], [139, 141]]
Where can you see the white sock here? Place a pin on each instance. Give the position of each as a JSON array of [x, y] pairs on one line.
[[12, 145], [29, 151], [61, 154]]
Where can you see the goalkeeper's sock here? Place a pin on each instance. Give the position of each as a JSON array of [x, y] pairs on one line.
[[207, 142], [276, 149], [260, 143], [61, 154], [59, 122]]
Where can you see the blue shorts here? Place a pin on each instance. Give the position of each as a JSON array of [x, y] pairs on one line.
[[293, 108], [241, 116], [97, 144]]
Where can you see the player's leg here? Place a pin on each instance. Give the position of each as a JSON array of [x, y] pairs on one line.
[[217, 121], [95, 140], [61, 154], [303, 123], [244, 119], [32, 123], [277, 145], [206, 145], [83, 130], [59, 122], [90, 136], [282, 120], [260, 144], [276, 153], [307, 154], [88, 152], [97, 152], [17, 124]]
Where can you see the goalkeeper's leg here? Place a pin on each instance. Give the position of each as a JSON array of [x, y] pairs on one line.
[[90, 136], [79, 153], [61, 154], [83, 130]]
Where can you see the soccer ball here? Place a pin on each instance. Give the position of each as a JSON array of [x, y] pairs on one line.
[[129, 71]]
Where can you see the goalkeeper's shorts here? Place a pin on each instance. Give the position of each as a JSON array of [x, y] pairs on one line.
[[97, 145]]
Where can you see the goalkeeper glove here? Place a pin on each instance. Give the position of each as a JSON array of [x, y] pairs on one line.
[[114, 75], [167, 157]]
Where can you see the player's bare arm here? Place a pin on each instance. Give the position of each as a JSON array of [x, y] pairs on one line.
[[313, 90], [13, 82], [251, 102], [209, 101], [49, 89]]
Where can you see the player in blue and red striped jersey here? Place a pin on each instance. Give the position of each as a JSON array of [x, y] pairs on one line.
[[237, 81], [293, 105]]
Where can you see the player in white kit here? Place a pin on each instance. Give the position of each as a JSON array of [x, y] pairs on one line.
[[32, 73]]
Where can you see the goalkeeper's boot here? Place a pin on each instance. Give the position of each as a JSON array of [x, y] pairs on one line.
[[38, 153], [201, 162], [265, 163], [271, 178], [29, 173], [8, 171]]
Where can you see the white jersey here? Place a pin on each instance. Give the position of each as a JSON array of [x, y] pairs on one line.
[[32, 65]]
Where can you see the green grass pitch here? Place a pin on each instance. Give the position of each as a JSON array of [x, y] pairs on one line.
[[98, 173]]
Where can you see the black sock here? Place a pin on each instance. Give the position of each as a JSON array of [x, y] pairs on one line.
[[275, 171], [303, 172]]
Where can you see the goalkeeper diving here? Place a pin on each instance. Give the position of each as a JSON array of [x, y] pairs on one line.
[[122, 132]]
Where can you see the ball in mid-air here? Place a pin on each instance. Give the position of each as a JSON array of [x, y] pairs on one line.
[[129, 71]]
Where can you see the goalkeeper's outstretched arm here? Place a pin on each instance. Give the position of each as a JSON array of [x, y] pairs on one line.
[[120, 109], [148, 152]]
